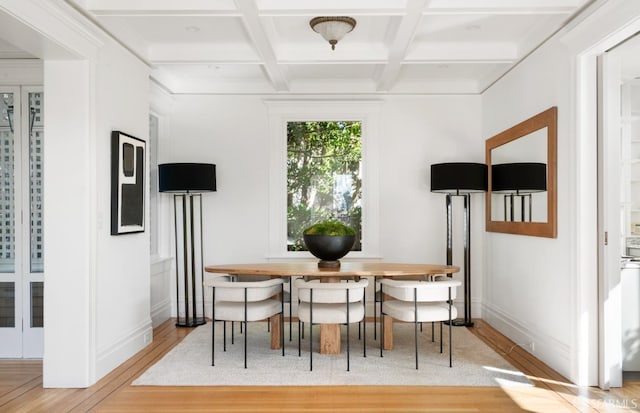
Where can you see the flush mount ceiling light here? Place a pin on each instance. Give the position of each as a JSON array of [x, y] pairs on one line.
[[332, 28]]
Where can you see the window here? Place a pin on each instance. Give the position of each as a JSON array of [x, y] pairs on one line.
[[324, 179], [322, 165]]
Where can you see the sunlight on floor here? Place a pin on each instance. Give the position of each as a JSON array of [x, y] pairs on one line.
[[552, 396]]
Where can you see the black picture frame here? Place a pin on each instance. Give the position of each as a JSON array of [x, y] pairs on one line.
[[128, 171]]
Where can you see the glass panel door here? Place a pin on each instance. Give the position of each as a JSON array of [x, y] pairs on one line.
[[21, 226], [10, 285], [32, 222]]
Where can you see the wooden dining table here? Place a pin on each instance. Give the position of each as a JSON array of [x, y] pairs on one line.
[[330, 333]]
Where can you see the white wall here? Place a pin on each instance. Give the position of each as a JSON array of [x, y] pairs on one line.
[[527, 291], [233, 133], [97, 286], [540, 290], [97, 301], [67, 245], [122, 290]]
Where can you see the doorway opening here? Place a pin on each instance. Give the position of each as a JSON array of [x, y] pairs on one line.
[[21, 222]]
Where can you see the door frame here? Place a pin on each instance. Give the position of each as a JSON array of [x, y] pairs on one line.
[[609, 215]]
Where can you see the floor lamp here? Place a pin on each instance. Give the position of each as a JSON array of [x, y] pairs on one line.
[[518, 180], [187, 182], [460, 179]]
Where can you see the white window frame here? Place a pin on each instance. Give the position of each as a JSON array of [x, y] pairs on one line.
[[280, 112]]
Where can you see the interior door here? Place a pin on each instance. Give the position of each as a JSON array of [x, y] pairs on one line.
[[21, 224], [619, 194]]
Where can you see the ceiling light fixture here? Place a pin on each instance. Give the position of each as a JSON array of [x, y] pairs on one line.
[[332, 28]]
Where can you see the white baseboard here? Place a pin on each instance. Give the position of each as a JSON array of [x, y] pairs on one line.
[[544, 347], [160, 313], [111, 357]]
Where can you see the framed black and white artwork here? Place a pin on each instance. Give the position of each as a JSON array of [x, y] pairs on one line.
[[127, 183]]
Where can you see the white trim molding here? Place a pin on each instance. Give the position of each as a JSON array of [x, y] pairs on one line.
[[555, 353], [282, 111]]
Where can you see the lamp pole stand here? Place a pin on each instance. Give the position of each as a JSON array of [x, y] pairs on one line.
[[191, 276], [466, 321]]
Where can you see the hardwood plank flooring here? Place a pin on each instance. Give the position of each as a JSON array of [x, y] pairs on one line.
[[21, 390]]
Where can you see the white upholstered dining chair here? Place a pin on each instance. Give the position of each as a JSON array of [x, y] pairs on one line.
[[244, 302], [330, 303], [419, 301]]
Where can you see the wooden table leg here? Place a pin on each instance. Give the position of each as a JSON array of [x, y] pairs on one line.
[[387, 340], [329, 338], [330, 333], [276, 339]]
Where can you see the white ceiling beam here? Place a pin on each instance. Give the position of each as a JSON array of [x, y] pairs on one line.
[[337, 7], [503, 6], [262, 44], [398, 48], [159, 7], [119, 29]]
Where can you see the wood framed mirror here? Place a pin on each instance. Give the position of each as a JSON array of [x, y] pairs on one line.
[[516, 201]]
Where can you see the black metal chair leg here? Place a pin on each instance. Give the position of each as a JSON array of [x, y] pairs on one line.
[[375, 321], [348, 345], [348, 338], [375, 313], [415, 324], [299, 340], [246, 333], [311, 331], [282, 320], [450, 332], [364, 326], [381, 322], [290, 306], [213, 325]]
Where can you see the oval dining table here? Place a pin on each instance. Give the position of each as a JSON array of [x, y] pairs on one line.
[[330, 333]]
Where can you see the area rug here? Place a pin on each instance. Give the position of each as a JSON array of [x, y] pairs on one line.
[[474, 364]]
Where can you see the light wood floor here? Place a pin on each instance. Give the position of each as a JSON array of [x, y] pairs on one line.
[[21, 390]]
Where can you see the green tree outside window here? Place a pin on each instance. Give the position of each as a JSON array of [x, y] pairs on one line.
[[324, 177]]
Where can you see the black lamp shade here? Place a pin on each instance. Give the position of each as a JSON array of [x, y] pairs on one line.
[[459, 177], [519, 178], [187, 177]]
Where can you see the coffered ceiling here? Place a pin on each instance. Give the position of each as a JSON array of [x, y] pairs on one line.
[[267, 46]]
